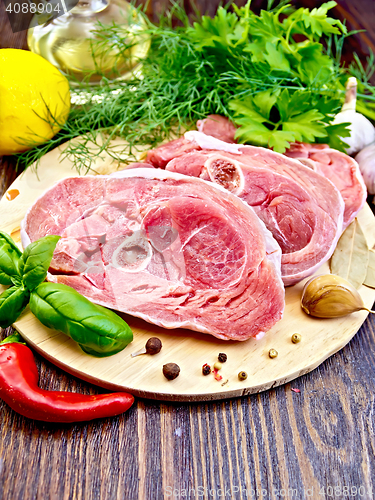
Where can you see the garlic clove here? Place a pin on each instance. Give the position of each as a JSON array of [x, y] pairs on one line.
[[362, 131], [366, 161], [330, 296]]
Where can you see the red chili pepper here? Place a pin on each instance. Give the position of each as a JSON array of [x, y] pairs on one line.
[[19, 389]]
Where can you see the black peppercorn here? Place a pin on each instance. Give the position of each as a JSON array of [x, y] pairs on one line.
[[222, 357], [153, 345], [206, 369], [171, 371]]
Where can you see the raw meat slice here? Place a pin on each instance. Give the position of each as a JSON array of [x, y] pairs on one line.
[[139, 164], [217, 126], [191, 141], [171, 249], [302, 209], [161, 155], [339, 168]]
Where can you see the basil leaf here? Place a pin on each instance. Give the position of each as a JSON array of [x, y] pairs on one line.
[[12, 302], [8, 239], [9, 259], [98, 331], [36, 259], [16, 280]]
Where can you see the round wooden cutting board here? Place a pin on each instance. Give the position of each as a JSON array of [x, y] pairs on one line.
[[142, 375]]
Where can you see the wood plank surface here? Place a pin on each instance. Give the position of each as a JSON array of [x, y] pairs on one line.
[[315, 444]]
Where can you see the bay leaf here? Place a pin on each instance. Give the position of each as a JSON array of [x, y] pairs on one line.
[[351, 257], [370, 276]]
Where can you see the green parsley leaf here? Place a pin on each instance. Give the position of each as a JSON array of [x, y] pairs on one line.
[[223, 31], [291, 105], [253, 132], [315, 23], [246, 108], [328, 105], [280, 140], [275, 57], [314, 66], [264, 101], [319, 23], [334, 136], [305, 126], [295, 120], [266, 25], [264, 29]]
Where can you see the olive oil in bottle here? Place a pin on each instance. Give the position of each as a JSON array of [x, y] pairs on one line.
[[72, 42]]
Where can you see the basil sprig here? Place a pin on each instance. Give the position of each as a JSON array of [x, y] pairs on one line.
[[24, 271], [98, 331]]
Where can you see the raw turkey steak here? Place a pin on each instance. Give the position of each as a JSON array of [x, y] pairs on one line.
[[171, 249], [302, 209]]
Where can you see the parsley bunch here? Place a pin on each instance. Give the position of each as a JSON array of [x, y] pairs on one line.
[[300, 94]]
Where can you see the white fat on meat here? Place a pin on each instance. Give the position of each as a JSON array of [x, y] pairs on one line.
[[208, 142]]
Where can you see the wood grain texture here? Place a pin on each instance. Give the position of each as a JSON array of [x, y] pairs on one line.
[[277, 444]]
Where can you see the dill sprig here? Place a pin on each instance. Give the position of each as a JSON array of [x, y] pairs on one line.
[[213, 66]]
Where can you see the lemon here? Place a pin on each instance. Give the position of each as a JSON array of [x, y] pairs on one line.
[[34, 100]]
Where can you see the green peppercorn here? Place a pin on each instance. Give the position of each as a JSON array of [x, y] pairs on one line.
[[206, 369], [296, 337], [242, 376], [171, 371], [272, 353], [222, 357]]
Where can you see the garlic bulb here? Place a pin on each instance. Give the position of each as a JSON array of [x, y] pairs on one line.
[[366, 161], [330, 296], [362, 131]]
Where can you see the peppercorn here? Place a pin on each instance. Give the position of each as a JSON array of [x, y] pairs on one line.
[[222, 357], [206, 369], [153, 345], [217, 365], [296, 337], [242, 376], [272, 353], [171, 371]]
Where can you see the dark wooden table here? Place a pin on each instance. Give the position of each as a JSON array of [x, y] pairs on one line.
[[315, 444]]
